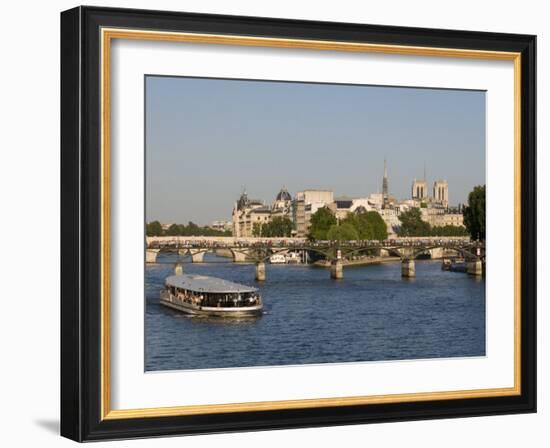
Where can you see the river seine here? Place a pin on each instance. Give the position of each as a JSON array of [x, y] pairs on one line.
[[371, 315]]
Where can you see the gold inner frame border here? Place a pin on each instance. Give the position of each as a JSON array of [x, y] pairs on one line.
[[107, 35]]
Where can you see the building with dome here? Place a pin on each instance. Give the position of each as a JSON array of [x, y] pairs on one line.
[[282, 206], [249, 212]]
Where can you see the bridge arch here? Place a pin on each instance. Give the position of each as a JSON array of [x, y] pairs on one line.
[[465, 252]]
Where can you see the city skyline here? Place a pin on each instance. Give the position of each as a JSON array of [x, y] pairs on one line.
[[208, 139]]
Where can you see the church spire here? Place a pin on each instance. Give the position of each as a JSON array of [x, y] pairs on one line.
[[385, 182]]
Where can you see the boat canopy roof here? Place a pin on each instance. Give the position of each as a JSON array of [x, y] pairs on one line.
[[202, 283]]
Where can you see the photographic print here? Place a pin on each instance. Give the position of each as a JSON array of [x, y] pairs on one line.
[[272, 223], [294, 223]]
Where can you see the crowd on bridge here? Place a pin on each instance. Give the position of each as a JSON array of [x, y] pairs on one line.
[[293, 243]]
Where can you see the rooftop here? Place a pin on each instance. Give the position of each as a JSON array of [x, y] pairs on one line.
[[262, 209], [202, 283], [283, 195]]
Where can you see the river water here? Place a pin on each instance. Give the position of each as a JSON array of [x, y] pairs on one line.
[[371, 315]]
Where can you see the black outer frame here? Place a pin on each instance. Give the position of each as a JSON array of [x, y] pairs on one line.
[[80, 223]]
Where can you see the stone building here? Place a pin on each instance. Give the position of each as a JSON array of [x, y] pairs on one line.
[[282, 206], [419, 190], [246, 212], [439, 216], [221, 225], [306, 203], [250, 212], [441, 193]]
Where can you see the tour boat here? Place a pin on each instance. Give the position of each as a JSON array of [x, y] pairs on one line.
[[293, 258], [210, 296], [277, 259]]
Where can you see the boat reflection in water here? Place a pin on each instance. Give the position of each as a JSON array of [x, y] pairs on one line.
[[210, 296]]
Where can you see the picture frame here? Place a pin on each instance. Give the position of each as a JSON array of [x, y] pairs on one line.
[[86, 239]]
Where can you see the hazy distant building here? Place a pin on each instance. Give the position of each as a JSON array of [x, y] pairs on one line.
[[222, 226], [419, 190], [440, 216], [391, 218], [441, 193], [385, 186], [341, 207], [306, 203], [282, 206], [248, 213]]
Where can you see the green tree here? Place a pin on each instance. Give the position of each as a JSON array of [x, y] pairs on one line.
[[154, 229], [342, 232], [321, 221], [278, 227], [412, 224], [257, 229], [173, 230], [369, 225], [474, 213], [193, 229]]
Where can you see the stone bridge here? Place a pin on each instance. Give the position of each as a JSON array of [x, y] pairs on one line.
[[259, 250]]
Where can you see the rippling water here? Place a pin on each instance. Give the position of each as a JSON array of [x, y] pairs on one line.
[[372, 314]]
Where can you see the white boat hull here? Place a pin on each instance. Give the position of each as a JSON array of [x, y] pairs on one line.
[[190, 308]]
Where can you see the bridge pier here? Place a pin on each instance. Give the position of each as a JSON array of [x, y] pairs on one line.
[[337, 269], [260, 271], [474, 267], [151, 255], [196, 255], [178, 268], [408, 269]]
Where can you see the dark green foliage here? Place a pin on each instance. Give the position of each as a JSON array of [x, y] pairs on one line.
[[343, 232], [412, 224], [474, 213], [154, 228], [356, 226], [278, 227], [321, 221], [257, 229], [369, 225]]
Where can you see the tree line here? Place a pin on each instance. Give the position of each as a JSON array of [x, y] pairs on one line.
[[363, 225], [474, 220], [154, 228], [280, 226], [356, 226], [413, 225], [370, 225]]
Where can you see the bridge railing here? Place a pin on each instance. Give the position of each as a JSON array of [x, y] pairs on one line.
[[180, 243]]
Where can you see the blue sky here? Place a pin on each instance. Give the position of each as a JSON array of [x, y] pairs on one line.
[[207, 139]]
